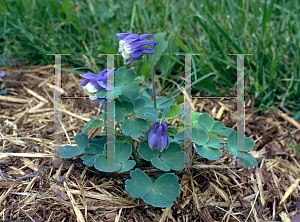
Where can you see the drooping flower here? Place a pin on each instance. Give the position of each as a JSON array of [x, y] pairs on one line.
[[158, 136], [132, 44], [93, 82]]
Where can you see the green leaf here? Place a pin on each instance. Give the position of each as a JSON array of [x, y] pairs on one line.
[[195, 116], [215, 143], [130, 91], [128, 105], [249, 144], [239, 152], [100, 164], [92, 123], [248, 160], [139, 184], [141, 112], [170, 158], [179, 137], [82, 140], [134, 127], [122, 153], [146, 152], [93, 148], [165, 111], [206, 121], [124, 85], [161, 46], [122, 76], [139, 79], [99, 140], [151, 117], [98, 123], [145, 69], [220, 129], [172, 131], [160, 194], [174, 112], [69, 151], [162, 102], [89, 160], [139, 103], [123, 109], [199, 136], [88, 125], [208, 152]]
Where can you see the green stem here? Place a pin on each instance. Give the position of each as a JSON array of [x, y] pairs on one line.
[[135, 156], [153, 82]]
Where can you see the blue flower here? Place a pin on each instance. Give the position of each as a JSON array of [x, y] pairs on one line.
[[93, 82], [158, 136], [132, 44]]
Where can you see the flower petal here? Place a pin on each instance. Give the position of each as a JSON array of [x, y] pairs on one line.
[[151, 51], [138, 44], [162, 143], [137, 53], [105, 101], [102, 84], [109, 86], [152, 135], [123, 35], [92, 86], [132, 60], [130, 38], [109, 74], [146, 35], [84, 82], [125, 55], [101, 74], [152, 140], [89, 75]]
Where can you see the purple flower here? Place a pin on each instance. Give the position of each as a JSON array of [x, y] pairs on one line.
[[132, 44], [158, 136], [2, 74], [93, 82]]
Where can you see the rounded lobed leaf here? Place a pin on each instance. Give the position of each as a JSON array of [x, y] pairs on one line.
[[120, 160], [146, 152], [160, 194], [89, 160], [82, 140], [199, 136], [174, 112], [139, 184], [94, 148], [206, 121], [208, 152], [139, 103], [134, 127], [69, 151]]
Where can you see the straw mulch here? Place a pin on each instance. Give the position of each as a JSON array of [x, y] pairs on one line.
[[33, 187]]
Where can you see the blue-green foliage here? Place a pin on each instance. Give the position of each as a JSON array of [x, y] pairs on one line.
[[134, 115]]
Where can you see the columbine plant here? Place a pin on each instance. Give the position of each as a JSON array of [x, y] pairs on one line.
[[139, 115]]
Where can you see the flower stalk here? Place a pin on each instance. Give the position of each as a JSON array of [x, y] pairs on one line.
[[153, 82]]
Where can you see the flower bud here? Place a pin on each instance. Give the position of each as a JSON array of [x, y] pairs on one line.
[[158, 136]]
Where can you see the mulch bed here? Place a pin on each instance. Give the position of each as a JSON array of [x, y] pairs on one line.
[[33, 187]]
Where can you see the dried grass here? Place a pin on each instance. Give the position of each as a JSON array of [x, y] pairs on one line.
[[34, 188]]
